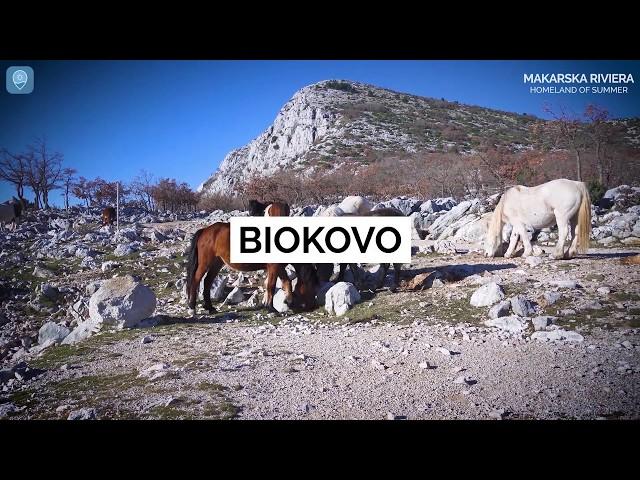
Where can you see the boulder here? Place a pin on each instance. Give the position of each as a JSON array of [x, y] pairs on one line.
[[521, 306], [279, 301], [512, 324], [456, 213], [549, 298], [542, 322], [235, 296], [501, 309], [486, 295], [157, 237], [124, 249], [49, 291], [52, 332], [43, 272], [83, 331], [109, 265], [437, 205], [558, 335], [570, 284], [122, 302], [340, 298]]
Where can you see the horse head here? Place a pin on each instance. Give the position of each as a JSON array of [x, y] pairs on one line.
[[304, 295], [256, 208]]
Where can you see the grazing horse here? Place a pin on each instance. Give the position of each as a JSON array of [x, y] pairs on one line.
[[108, 216], [325, 270], [305, 272], [210, 251], [11, 211], [562, 202]]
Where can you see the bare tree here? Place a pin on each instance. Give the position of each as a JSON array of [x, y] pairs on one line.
[[68, 178], [43, 172], [569, 132], [13, 169], [82, 190], [600, 132], [142, 186]]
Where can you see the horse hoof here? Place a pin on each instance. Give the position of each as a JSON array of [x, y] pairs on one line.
[[192, 312]]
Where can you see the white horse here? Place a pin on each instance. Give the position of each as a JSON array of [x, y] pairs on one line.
[[10, 212], [562, 202]]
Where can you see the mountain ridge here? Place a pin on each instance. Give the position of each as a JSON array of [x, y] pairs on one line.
[[330, 122]]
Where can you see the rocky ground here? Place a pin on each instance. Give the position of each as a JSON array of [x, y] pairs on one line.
[[463, 337]]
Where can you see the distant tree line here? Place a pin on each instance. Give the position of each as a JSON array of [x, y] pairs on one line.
[[41, 170]]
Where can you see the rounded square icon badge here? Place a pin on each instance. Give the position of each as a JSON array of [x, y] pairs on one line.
[[19, 80]]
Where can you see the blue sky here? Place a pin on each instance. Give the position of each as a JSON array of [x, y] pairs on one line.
[[180, 118]]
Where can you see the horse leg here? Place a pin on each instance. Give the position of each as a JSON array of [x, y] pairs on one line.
[[397, 267], [513, 242], [270, 286], [356, 274], [526, 243], [286, 284], [573, 249], [195, 286], [212, 273], [563, 229], [385, 269], [343, 268]]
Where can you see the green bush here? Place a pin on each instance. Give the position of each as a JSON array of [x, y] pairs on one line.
[[596, 191], [344, 86]]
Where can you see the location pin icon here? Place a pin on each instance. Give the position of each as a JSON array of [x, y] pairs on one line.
[[20, 79]]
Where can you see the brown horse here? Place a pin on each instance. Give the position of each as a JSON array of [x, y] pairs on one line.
[[210, 251], [108, 216]]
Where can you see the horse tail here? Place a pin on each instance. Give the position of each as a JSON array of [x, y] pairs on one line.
[[192, 262], [494, 233], [584, 219]]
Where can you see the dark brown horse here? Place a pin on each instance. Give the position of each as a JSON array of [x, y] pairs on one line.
[[381, 212], [108, 216], [270, 209], [307, 284]]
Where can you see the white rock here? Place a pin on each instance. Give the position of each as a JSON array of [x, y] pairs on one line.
[[501, 309], [51, 331], [486, 295], [542, 322], [534, 261], [235, 296], [83, 331], [340, 298], [279, 301], [122, 302], [512, 324], [109, 265], [521, 306], [558, 335], [571, 284], [83, 414], [218, 286]]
